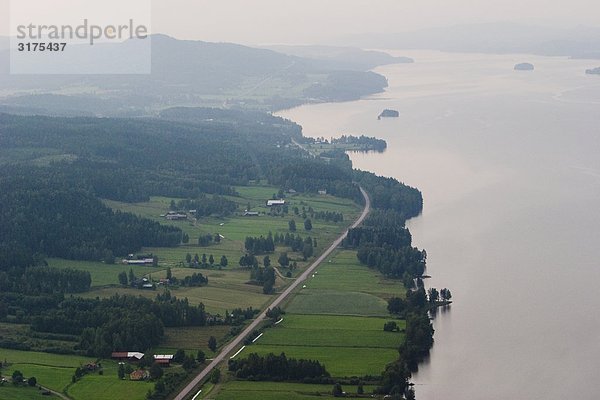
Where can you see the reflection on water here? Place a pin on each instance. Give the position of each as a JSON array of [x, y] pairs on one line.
[[508, 165]]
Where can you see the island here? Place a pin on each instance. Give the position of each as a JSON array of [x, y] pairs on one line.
[[524, 67], [389, 114], [593, 71]]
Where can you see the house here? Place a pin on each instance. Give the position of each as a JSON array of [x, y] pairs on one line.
[[251, 214], [163, 359], [143, 261], [139, 375], [322, 192], [176, 216], [292, 191], [273, 203], [132, 356]]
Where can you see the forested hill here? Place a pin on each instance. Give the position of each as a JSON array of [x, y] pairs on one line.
[[54, 171], [186, 72]]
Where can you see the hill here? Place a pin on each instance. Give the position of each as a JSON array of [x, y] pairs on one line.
[[188, 73]]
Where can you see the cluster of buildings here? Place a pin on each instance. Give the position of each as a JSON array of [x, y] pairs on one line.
[[163, 360]]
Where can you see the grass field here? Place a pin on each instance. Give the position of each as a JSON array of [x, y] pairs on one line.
[[240, 390], [348, 346], [332, 331], [55, 371], [227, 288], [10, 392], [191, 339], [343, 286], [103, 274], [51, 370]]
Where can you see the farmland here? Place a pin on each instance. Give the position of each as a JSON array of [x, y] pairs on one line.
[[348, 346], [240, 390]]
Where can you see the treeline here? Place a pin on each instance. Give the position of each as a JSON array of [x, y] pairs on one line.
[[298, 244], [36, 281], [39, 216], [389, 194], [366, 143], [264, 276], [207, 205], [260, 245], [123, 323], [383, 243], [278, 368]]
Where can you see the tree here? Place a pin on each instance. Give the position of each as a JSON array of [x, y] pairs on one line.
[[308, 224], [32, 381], [204, 259], [156, 372], [224, 261], [292, 225], [188, 258], [201, 357], [121, 371], [179, 356], [396, 305], [211, 260], [185, 238], [217, 238], [131, 276], [283, 260], [391, 326], [434, 295], [360, 389], [189, 363], [337, 390], [215, 376], [446, 294], [212, 343], [267, 261], [123, 278], [17, 377]]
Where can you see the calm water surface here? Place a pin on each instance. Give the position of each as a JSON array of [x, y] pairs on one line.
[[509, 166]]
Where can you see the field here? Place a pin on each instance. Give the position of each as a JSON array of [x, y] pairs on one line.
[[239, 390], [342, 286], [348, 346], [55, 372], [9, 392], [228, 287], [192, 339]]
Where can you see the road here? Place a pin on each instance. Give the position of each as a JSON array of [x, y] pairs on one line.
[[240, 338]]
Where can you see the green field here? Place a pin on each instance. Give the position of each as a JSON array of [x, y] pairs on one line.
[[240, 390], [331, 331], [228, 288], [348, 346], [103, 274], [10, 392], [55, 371]]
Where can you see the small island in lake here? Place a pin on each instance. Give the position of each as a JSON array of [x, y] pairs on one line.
[[524, 67], [389, 114], [593, 71]]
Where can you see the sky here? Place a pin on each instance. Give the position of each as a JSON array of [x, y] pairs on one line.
[[323, 21]]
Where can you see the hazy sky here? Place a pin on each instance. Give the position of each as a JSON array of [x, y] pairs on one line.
[[308, 21]]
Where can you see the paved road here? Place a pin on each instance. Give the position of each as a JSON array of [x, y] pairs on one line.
[[240, 338]]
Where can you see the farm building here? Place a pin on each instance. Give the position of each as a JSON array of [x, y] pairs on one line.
[[127, 356], [163, 359], [273, 203], [251, 214], [322, 192], [144, 261]]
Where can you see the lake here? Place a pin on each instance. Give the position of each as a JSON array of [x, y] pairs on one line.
[[509, 166]]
